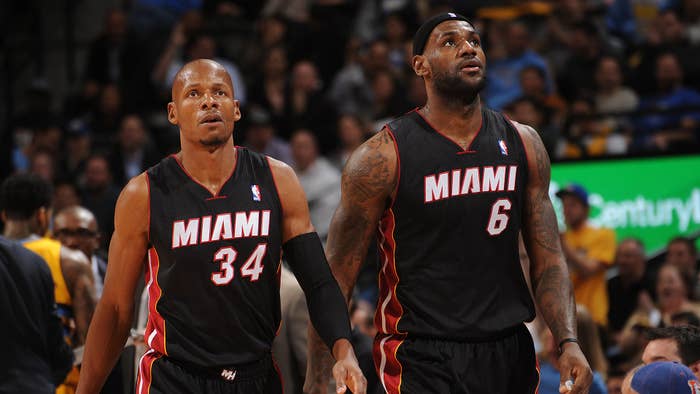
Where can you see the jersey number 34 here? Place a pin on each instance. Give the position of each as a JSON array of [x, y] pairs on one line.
[[226, 256]]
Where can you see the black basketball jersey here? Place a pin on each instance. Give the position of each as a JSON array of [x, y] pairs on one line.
[[449, 265], [212, 275]]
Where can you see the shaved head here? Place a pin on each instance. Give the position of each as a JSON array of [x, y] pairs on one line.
[[81, 214], [196, 67]]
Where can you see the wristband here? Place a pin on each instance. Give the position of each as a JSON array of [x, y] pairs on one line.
[[564, 342]]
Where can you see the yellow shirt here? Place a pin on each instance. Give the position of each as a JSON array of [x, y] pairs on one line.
[[598, 244], [50, 250]]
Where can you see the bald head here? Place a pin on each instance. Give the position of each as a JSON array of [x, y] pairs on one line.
[[76, 227], [197, 68]]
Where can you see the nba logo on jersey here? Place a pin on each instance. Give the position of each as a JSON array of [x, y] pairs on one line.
[[255, 189], [503, 147]]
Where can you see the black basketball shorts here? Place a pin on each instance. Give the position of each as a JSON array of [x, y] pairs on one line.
[[160, 374], [505, 365]]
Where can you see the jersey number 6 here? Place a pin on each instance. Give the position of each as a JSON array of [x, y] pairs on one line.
[[499, 216], [227, 255]]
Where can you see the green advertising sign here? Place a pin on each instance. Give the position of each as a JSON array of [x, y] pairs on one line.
[[653, 199]]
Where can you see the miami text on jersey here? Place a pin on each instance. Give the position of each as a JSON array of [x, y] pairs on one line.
[[469, 181], [224, 226]]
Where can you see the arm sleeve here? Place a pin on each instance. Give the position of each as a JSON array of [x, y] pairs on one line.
[[327, 308]]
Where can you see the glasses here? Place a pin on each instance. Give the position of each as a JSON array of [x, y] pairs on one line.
[[79, 232]]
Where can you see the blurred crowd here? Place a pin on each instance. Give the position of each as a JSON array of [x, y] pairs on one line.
[[316, 78]]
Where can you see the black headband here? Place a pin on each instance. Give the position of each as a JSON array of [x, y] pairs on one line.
[[421, 37]]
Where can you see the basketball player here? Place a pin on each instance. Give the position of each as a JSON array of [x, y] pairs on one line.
[[450, 187], [25, 201], [211, 221]]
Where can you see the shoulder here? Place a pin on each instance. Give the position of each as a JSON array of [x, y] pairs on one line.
[[280, 170], [136, 190], [372, 168], [74, 262]]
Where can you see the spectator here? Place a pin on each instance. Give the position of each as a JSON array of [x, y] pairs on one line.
[[586, 135], [661, 377], [99, 194], [530, 111], [134, 151], [306, 107], [43, 165], [65, 194], [534, 85], [611, 95], [270, 87], [678, 344], [319, 179], [630, 283], [589, 251], [614, 382], [352, 132], [504, 74], [78, 146], [673, 117], [197, 46], [388, 98], [35, 358], [681, 252], [76, 227], [584, 51], [261, 136]]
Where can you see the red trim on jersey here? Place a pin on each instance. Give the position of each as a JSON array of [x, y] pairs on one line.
[[389, 309], [145, 375], [398, 166], [155, 328], [386, 362], [539, 375], [148, 229], [233, 171], [461, 150]]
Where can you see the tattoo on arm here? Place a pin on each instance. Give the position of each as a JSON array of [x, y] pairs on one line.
[[551, 284], [368, 181]]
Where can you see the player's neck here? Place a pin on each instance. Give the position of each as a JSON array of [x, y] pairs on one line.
[[459, 120], [212, 168], [17, 229]]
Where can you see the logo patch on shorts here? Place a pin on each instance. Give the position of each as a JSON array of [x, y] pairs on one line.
[[228, 374]]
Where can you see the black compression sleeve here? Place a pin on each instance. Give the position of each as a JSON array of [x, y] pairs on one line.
[[327, 308]]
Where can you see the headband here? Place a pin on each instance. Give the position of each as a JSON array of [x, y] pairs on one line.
[[423, 32]]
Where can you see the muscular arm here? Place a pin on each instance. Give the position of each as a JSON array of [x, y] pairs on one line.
[[548, 272], [81, 284], [369, 179], [114, 312]]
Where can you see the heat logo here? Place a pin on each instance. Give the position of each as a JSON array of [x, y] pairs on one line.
[[255, 189]]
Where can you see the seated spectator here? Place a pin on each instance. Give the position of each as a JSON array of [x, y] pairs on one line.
[[65, 194], [134, 151], [529, 111], [504, 74], [679, 344], [319, 179], [352, 132], [673, 111], [99, 194], [388, 99], [197, 46], [586, 135], [534, 85], [261, 136], [268, 93], [584, 48], [611, 95], [630, 283], [661, 377], [681, 252]]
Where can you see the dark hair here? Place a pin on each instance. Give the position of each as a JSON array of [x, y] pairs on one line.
[[22, 195], [687, 241], [691, 318], [687, 338]]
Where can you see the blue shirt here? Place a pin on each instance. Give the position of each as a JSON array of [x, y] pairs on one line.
[[503, 78]]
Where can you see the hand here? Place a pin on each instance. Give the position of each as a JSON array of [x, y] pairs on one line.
[[573, 366], [346, 371]]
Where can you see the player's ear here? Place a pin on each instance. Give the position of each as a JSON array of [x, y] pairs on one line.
[[236, 111], [172, 113], [420, 65]]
